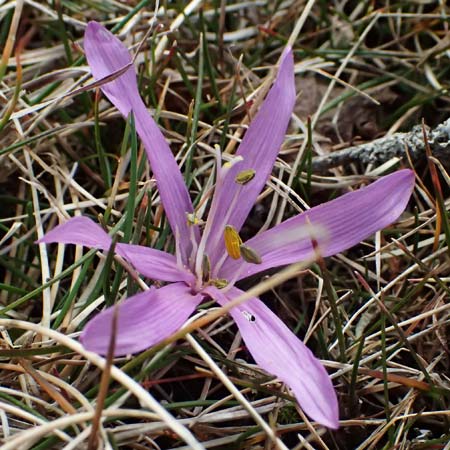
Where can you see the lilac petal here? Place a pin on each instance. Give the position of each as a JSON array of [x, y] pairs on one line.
[[81, 231], [154, 264], [278, 351], [259, 149], [347, 220], [143, 320], [172, 189], [106, 55]]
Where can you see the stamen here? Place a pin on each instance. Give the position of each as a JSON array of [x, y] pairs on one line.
[[233, 241], [221, 170], [206, 267], [229, 164], [194, 247], [249, 255], [245, 176], [192, 219], [219, 283], [213, 244]]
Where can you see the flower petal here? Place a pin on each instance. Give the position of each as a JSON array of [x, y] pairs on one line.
[[106, 55], [278, 351], [143, 320], [154, 264], [172, 189], [259, 149], [149, 262], [347, 220], [81, 231]]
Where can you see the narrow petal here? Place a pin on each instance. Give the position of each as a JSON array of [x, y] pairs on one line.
[[172, 188], [259, 149], [78, 230], [149, 262], [154, 264], [278, 351], [143, 320], [347, 220], [106, 55]]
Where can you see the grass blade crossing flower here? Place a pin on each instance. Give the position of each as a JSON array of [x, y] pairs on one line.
[[210, 268], [280, 352], [146, 319]]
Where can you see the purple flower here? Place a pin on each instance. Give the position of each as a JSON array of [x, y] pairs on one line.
[[211, 258]]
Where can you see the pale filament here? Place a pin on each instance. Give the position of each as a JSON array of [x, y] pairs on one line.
[[221, 173]]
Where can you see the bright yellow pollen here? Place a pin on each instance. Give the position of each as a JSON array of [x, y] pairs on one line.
[[232, 241]]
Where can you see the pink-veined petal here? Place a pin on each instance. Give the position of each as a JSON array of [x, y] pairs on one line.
[[278, 351], [259, 149], [106, 55], [143, 320], [347, 220], [154, 264], [81, 231]]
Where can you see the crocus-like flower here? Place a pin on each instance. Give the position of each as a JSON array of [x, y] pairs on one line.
[[210, 257]]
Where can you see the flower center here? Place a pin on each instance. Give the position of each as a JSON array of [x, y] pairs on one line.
[[235, 248]]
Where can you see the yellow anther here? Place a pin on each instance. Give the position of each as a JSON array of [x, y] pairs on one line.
[[232, 241], [245, 176], [250, 255], [219, 283], [229, 164], [191, 219]]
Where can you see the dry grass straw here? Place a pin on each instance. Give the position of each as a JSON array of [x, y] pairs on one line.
[[199, 389]]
